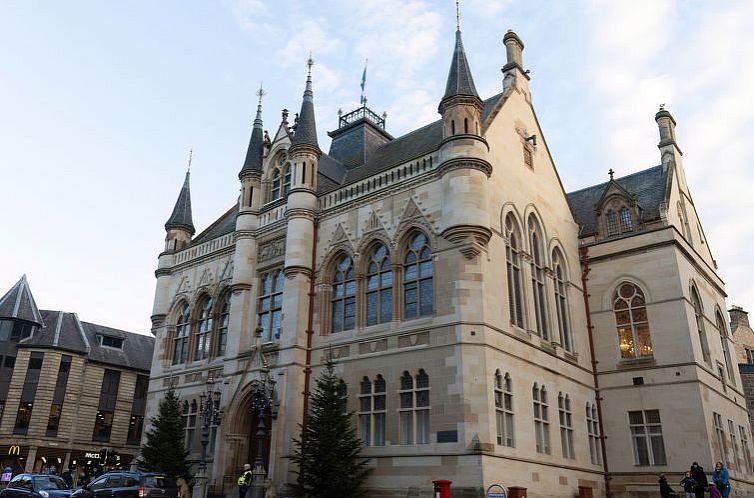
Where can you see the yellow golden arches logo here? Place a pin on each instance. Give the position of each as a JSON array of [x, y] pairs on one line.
[[14, 450]]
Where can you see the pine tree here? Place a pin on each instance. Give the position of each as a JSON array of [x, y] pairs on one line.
[[328, 452], [165, 451]]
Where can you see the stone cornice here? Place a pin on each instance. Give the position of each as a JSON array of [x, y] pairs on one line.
[[465, 163], [307, 213], [293, 270]]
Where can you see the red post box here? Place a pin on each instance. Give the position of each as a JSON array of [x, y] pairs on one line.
[[442, 488]]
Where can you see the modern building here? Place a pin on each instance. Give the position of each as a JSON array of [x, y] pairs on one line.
[[491, 327], [68, 388]]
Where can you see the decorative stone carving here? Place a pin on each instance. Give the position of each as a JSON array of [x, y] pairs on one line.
[[373, 346], [271, 249], [418, 339]]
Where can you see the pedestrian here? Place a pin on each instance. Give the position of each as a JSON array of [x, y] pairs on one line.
[[721, 479], [697, 472], [244, 481], [183, 488], [688, 484], [665, 489], [714, 492], [68, 478]]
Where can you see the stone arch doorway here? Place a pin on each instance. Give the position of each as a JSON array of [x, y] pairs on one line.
[[242, 433]]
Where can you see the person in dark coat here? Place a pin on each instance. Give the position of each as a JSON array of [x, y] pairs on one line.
[[665, 489], [689, 484], [68, 478], [697, 473]]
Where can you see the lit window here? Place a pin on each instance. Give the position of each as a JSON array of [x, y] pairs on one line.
[[631, 321]]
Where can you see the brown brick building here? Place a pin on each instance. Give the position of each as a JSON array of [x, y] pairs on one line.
[[68, 388]]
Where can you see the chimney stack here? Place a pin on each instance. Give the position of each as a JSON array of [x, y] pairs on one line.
[[738, 318], [513, 49]]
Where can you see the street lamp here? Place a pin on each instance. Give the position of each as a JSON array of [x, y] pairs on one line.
[[262, 397], [209, 409]]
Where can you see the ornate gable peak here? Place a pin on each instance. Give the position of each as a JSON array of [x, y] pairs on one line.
[[374, 223], [411, 210], [613, 188]]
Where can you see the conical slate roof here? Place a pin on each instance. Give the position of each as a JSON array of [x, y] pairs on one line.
[[253, 160], [18, 303], [306, 129], [181, 217], [460, 81]]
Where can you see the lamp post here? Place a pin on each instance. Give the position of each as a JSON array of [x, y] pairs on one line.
[[209, 409], [262, 399]]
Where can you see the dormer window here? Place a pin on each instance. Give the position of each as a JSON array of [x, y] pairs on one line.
[[110, 341], [611, 219], [626, 223]]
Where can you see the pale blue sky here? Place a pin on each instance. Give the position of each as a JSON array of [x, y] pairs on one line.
[[100, 102]]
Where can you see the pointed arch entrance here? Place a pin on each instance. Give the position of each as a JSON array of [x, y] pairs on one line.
[[243, 432]]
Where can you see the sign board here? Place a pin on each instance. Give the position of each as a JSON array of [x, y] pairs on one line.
[[91, 454], [14, 450], [497, 491]]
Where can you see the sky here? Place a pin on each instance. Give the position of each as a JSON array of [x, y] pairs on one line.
[[100, 103]]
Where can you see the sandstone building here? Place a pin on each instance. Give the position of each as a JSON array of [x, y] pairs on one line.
[[490, 326], [68, 388]]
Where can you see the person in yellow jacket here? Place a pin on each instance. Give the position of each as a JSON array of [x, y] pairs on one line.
[[244, 481]]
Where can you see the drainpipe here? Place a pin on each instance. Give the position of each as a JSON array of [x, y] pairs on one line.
[[309, 332], [584, 253]]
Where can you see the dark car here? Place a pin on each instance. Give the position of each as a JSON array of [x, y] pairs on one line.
[[36, 486], [129, 485]]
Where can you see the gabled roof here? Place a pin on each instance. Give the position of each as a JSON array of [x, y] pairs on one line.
[[18, 303], [225, 224], [646, 186], [181, 217], [65, 331], [460, 81]]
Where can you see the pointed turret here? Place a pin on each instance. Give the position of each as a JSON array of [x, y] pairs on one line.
[[253, 161], [180, 226], [306, 128], [18, 304], [460, 81]]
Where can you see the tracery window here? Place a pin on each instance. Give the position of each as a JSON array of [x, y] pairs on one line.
[[513, 267], [565, 417], [270, 305], [414, 408], [203, 336], [541, 419], [372, 411], [418, 282], [631, 321], [699, 315], [222, 330], [561, 301], [379, 287], [538, 280], [504, 409], [722, 329], [180, 343], [343, 304]]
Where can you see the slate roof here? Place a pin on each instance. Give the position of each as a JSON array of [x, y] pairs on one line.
[[225, 224], [306, 128], [253, 161], [65, 331], [460, 81], [19, 303], [648, 186], [181, 217]]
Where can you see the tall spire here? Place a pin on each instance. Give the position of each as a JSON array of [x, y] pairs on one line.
[[18, 303], [253, 161], [460, 81], [306, 129], [181, 217], [363, 99]]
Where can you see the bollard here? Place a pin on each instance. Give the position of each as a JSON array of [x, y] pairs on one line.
[[516, 492], [442, 488], [585, 492]]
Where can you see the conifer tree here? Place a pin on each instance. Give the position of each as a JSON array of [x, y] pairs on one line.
[[164, 451], [327, 453]]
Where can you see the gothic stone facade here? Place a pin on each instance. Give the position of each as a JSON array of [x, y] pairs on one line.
[[444, 272]]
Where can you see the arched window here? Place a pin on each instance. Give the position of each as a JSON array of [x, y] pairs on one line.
[[611, 220], [513, 267], [592, 430], [541, 419], [565, 417], [222, 329], [626, 223], [203, 336], [699, 315], [270, 305], [504, 409], [379, 288], [538, 280], [372, 411], [723, 330], [418, 285], [275, 185], [180, 343], [561, 301], [631, 320], [287, 180], [343, 302]]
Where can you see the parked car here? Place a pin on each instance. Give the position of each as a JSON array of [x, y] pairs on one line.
[[36, 486], [121, 484]]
